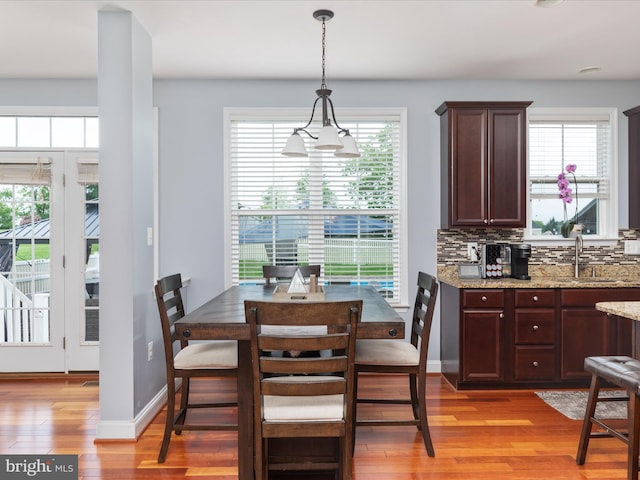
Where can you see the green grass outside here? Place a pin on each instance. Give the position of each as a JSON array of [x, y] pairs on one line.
[[253, 269], [41, 251]]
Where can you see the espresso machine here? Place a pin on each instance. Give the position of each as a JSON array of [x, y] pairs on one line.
[[520, 254]]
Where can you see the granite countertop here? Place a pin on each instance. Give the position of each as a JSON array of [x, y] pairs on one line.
[[622, 309], [550, 277]]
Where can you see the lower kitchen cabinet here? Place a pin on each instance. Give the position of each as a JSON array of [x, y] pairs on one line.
[[527, 338], [482, 334], [586, 331]]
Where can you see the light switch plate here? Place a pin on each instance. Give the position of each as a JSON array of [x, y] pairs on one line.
[[632, 247], [472, 252]]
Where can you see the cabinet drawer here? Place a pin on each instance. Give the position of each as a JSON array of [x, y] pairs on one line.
[[535, 298], [535, 363], [588, 297], [535, 326], [483, 298]]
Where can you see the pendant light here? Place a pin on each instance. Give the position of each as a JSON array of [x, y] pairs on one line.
[[329, 137]]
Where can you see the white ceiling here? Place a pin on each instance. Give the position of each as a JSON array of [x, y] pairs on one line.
[[375, 39]]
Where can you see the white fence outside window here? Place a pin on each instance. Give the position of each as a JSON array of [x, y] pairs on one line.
[[336, 251]]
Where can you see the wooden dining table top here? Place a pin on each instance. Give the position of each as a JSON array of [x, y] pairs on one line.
[[223, 318]]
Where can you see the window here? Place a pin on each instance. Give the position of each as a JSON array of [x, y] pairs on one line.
[[31, 131], [341, 213], [584, 137]]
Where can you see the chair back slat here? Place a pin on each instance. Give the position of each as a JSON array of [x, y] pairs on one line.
[[337, 387], [302, 365], [303, 343], [299, 314], [284, 272]]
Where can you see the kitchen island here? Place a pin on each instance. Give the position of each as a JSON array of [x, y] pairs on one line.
[[509, 333], [629, 311]]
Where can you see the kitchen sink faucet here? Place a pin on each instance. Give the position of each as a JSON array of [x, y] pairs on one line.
[[579, 244]]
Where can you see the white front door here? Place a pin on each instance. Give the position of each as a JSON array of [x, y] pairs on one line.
[[48, 261]]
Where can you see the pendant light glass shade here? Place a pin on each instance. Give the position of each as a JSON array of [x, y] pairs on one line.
[[350, 148], [328, 139], [295, 147]]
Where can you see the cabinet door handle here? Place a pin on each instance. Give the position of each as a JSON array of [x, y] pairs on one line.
[[535, 364], [535, 298], [491, 220], [535, 328], [502, 315], [485, 221], [484, 299]]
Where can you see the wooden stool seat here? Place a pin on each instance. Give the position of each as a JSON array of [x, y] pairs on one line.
[[623, 372]]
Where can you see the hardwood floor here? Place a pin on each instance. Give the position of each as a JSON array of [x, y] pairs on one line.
[[477, 435]]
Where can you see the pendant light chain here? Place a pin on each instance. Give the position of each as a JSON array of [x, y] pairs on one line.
[[323, 84]]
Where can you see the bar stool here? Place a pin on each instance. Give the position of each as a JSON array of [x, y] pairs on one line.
[[623, 372]]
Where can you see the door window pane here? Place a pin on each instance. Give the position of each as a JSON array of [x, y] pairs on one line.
[[24, 264], [92, 265]]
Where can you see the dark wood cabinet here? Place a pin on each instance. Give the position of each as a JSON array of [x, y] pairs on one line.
[[483, 155], [634, 166], [536, 338], [585, 331], [482, 335]]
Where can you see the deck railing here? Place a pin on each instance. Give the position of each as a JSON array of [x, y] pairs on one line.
[[22, 319]]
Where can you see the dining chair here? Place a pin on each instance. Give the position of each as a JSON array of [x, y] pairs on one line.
[[304, 397], [401, 357], [208, 359], [288, 271]]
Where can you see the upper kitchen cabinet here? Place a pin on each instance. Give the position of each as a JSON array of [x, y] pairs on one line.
[[483, 154], [634, 166]]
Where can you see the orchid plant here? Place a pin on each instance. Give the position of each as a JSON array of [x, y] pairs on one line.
[[564, 186]]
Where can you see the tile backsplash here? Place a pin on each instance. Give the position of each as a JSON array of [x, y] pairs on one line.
[[452, 248]]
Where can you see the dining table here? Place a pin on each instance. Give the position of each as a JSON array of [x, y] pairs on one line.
[[223, 318]]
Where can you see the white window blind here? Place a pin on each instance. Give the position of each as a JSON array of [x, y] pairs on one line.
[[343, 214], [26, 171], [555, 143], [87, 171]]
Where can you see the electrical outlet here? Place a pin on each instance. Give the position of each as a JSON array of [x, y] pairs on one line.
[[472, 252], [150, 350], [632, 247]]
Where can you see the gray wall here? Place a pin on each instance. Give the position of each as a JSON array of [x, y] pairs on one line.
[[191, 154]]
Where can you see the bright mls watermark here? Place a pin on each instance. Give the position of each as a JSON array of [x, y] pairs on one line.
[[25, 467]]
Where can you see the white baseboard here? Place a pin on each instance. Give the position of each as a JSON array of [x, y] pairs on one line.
[[123, 430], [434, 366]]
